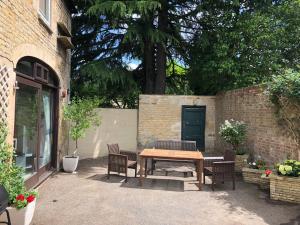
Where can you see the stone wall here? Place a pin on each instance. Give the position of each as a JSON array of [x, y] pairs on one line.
[[117, 126], [265, 137], [22, 33], [160, 118]]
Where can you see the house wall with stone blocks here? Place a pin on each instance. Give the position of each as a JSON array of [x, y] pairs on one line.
[[265, 137], [159, 117], [23, 33]]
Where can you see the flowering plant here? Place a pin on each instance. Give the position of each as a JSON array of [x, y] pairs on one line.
[[234, 133], [258, 164], [22, 200], [268, 172]]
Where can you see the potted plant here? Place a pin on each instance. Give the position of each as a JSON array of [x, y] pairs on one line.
[[234, 133], [285, 185], [256, 173], [21, 201], [81, 115]]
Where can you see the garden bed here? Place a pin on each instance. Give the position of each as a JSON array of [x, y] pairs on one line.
[[285, 188], [253, 176]]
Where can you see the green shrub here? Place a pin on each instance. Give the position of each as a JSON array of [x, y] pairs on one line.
[[81, 115], [258, 164], [234, 133], [11, 175], [289, 168]]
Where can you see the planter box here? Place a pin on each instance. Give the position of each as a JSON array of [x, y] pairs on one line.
[[285, 189], [253, 176], [20, 216], [240, 162]]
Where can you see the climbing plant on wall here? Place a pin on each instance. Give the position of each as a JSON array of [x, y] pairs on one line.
[[284, 93]]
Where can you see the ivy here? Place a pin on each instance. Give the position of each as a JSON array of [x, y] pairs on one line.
[[284, 93]]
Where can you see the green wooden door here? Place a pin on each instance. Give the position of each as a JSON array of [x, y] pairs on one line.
[[193, 125]]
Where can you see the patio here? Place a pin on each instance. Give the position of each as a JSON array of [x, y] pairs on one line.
[[89, 198]]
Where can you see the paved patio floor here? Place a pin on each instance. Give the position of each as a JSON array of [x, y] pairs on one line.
[[89, 198]]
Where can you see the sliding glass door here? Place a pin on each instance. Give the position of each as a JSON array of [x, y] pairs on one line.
[[34, 128], [26, 127]]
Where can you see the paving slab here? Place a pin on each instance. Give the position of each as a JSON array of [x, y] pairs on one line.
[[89, 198]]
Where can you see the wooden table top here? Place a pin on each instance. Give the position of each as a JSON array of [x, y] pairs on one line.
[[171, 154]]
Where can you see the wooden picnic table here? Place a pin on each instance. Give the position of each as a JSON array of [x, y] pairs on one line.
[[195, 156]]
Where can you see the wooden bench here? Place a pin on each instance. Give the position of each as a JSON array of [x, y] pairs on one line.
[[173, 145]]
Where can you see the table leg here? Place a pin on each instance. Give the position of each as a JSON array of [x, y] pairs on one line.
[[141, 170], [146, 167], [200, 169]]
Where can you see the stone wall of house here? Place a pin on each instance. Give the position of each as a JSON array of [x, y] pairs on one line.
[[160, 118], [265, 137], [22, 33]]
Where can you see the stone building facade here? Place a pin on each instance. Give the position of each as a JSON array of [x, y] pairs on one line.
[[160, 117], [33, 33]]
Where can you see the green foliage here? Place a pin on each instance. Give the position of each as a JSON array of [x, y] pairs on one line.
[[233, 132], [11, 176], [258, 164], [114, 83], [243, 43], [284, 93], [289, 168], [285, 85], [81, 114]]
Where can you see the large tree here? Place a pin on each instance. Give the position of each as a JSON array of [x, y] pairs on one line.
[[108, 34], [241, 43]]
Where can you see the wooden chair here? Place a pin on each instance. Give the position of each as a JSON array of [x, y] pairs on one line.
[[119, 160], [174, 145], [220, 168]]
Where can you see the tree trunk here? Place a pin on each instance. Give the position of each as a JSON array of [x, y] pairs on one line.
[[148, 67], [161, 56]]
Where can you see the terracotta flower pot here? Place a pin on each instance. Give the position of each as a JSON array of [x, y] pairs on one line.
[[20, 216]]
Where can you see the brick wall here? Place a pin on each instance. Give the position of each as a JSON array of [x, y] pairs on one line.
[[160, 118], [265, 137], [22, 33]]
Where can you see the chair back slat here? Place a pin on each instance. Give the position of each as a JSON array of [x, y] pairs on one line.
[[176, 145], [113, 149]]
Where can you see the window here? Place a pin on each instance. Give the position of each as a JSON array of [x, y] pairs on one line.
[[45, 10]]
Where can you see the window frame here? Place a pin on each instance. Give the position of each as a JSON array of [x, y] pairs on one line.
[[47, 21]]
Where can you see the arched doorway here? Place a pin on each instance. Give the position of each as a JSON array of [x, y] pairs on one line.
[[35, 132]]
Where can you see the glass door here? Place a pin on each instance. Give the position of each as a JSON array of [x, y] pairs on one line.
[[46, 128], [26, 132]]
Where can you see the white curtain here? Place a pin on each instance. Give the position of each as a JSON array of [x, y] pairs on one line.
[[45, 153]]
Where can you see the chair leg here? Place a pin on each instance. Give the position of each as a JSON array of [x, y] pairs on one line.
[[152, 166], [203, 178], [126, 175], [192, 174], [146, 167], [185, 174], [212, 183], [233, 182], [167, 173], [8, 217], [135, 170], [108, 173]]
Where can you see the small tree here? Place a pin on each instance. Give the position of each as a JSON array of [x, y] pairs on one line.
[[234, 133], [81, 115]]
